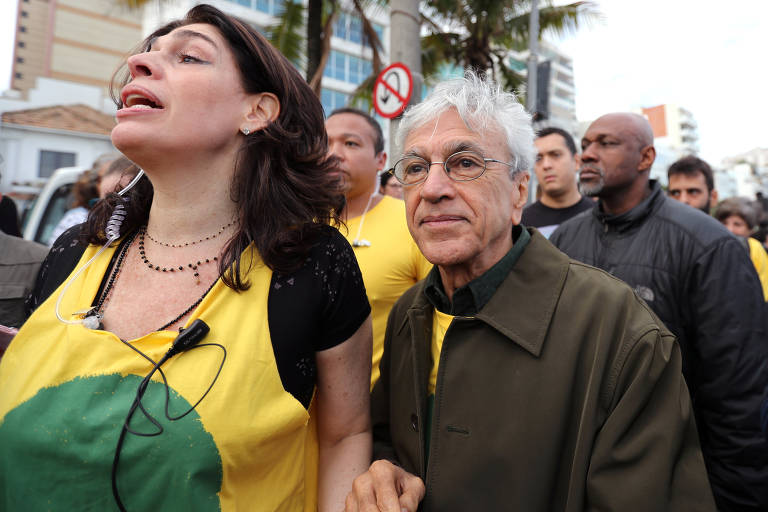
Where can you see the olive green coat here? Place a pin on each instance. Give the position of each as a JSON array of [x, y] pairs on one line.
[[563, 393]]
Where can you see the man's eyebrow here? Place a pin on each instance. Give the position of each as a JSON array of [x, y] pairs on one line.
[[186, 34], [462, 145], [351, 135], [448, 149], [599, 136]]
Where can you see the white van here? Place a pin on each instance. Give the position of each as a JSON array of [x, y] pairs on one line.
[[50, 205]]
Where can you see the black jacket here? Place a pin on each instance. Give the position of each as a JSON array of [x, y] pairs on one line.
[[698, 279]]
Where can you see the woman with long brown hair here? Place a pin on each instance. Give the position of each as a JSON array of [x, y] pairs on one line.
[[224, 339]]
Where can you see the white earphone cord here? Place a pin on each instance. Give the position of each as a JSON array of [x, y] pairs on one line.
[[112, 230]]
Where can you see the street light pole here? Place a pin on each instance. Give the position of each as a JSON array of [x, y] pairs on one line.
[[405, 47], [533, 57]]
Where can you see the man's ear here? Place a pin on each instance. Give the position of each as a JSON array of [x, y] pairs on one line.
[[520, 184], [263, 108], [713, 197], [647, 157], [381, 160]]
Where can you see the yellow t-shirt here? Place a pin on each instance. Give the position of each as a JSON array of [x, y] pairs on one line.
[[66, 391], [760, 260], [390, 265], [440, 324]]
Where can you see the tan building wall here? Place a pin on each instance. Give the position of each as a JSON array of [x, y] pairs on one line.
[[30, 45], [83, 41], [658, 119]]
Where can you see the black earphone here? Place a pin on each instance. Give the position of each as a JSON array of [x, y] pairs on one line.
[[186, 340]]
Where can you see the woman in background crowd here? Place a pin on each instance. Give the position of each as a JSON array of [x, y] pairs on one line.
[[739, 217]]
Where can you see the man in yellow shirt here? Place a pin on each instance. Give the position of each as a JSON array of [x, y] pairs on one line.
[[388, 257]]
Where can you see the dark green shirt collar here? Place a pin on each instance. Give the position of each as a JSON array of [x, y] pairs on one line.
[[470, 298]]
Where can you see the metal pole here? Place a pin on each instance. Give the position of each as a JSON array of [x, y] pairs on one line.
[[533, 57], [405, 47]]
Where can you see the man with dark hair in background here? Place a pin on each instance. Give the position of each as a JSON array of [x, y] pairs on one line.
[[388, 257], [698, 279], [691, 182], [557, 164]]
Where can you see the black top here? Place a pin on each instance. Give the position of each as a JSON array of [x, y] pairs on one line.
[[546, 219], [315, 308]]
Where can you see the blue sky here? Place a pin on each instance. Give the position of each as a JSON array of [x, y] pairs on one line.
[[709, 60]]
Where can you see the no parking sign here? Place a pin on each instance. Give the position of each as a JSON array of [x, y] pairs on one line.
[[392, 90]]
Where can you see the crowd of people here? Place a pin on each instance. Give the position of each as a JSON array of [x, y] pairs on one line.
[[255, 313]]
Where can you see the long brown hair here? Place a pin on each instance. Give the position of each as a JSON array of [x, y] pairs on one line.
[[282, 185]]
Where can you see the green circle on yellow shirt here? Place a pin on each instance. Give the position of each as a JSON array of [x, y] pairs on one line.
[[56, 451]]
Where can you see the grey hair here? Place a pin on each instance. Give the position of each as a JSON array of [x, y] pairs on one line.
[[482, 105]]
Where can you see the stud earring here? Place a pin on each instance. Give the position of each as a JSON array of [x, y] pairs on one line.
[[245, 131]]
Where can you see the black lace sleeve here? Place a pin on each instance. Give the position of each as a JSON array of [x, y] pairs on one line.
[[315, 308], [62, 259]]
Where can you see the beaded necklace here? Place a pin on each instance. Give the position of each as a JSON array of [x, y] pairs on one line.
[[180, 268], [186, 244], [106, 294]]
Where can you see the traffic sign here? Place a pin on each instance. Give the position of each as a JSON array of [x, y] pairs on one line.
[[392, 90]]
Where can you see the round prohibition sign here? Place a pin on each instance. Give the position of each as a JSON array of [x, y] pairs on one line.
[[392, 90]]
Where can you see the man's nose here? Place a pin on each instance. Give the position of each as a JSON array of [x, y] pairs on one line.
[[333, 150], [588, 154], [438, 184]]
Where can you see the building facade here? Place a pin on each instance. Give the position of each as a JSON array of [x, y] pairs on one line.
[[56, 124], [556, 81], [675, 126], [80, 41]]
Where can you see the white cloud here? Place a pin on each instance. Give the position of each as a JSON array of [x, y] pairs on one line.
[[706, 59]]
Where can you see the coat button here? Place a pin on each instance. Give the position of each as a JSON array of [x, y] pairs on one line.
[[415, 422]]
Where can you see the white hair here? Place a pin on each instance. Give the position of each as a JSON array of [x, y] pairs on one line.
[[482, 105]]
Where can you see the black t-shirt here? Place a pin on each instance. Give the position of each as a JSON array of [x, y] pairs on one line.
[[546, 219], [315, 308]]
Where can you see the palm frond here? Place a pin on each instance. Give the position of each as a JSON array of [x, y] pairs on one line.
[[287, 33]]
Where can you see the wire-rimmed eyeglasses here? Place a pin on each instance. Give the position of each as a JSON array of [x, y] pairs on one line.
[[460, 166]]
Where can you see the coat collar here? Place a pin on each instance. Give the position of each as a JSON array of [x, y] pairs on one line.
[[523, 306], [636, 215]]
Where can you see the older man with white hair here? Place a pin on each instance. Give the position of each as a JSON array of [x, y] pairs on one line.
[[514, 378]]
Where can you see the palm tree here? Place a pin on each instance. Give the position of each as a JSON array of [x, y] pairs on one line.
[[478, 34], [320, 18]]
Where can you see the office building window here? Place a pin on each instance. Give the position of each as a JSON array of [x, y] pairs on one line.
[[340, 26], [20, 60], [22, 44], [355, 29], [24, 14], [332, 100], [18, 75], [272, 7], [347, 68], [349, 27], [23, 28], [52, 160]]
